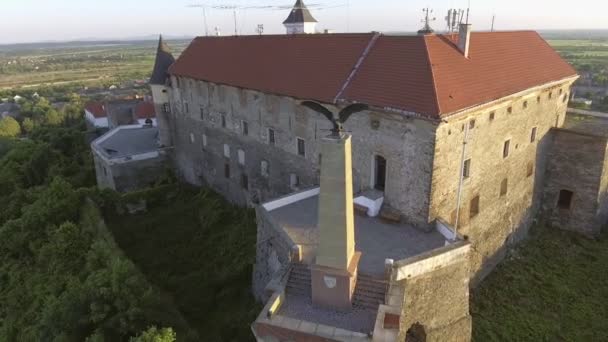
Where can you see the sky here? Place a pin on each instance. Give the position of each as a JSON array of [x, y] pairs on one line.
[[61, 20]]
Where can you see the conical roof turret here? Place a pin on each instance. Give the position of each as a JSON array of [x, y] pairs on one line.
[[164, 59]]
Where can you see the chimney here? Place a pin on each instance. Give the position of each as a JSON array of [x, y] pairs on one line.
[[464, 39]]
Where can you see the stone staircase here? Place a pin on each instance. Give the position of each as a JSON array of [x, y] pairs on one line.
[[369, 292]]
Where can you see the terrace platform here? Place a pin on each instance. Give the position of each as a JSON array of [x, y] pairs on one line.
[[374, 238]]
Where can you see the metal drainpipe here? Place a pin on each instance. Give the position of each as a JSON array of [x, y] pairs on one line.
[[459, 196]]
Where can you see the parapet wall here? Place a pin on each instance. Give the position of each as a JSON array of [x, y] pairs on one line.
[[436, 300]]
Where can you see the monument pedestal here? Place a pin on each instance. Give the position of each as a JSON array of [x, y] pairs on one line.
[[334, 288]]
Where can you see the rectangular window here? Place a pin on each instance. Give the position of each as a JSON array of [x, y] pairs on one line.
[[533, 134], [492, 116], [204, 141], [294, 181], [506, 149], [244, 127], [223, 120], [271, 139], [227, 170], [192, 138], [245, 181], [226, 151], [264, 168], [525, 104], [166, 108], [538, 99], [565, 199], [474, 207], [466, 170], [472, 124], [202, 109], [241, 155], [504, 187], [530, 169], [186, 107], [510, 110], [301, 147]]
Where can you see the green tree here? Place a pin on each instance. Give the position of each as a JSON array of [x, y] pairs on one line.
[[27, 125], [154, 334], [9, 127], [53, 118]]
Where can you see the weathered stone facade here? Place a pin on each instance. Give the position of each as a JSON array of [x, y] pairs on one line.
[[199, 137], [436, 299], [504, 187], [221, 138], [575, 188]]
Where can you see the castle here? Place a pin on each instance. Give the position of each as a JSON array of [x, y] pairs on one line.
[[460, 149]]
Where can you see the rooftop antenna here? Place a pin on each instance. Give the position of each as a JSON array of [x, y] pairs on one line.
[[493, 20], [453, 19], [233, 8], [260, 29], [427, 21], [468, 10], [204, 15]]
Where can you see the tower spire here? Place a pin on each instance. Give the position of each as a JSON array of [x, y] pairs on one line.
[[164, 59], [300, 20]]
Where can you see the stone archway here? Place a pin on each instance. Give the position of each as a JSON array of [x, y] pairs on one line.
[[416, 333]]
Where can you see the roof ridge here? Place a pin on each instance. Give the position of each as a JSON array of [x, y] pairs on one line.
[[360, 61], [433, 80]]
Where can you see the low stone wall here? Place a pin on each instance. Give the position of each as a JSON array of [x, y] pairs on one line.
[[274, 252]]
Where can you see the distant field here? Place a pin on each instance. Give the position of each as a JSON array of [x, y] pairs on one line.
[[46, 64]]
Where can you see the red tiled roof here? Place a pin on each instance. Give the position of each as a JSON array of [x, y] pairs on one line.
[[499, 64], [97, 109], [422, 74], [301, 66], [145, 110]]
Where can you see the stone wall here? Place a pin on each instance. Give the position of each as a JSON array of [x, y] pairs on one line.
[[200, 108], [502, 195], [436, 295], [577, 163], [132, 175], [274, 250]]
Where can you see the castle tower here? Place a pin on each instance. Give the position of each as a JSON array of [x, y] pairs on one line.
[[300, 20], [160, 86], [334, 273]]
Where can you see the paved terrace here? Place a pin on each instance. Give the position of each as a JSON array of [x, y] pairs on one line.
[[375, 239]]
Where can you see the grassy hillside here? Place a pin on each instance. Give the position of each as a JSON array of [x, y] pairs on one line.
[[553, 288]]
